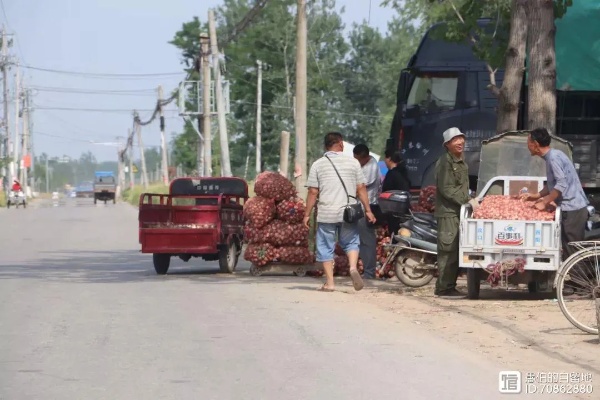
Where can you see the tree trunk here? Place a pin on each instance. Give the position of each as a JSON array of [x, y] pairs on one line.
[[509, 95], [541, 107]]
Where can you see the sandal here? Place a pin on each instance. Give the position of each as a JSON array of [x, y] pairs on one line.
[[325, 288], [357, 281]]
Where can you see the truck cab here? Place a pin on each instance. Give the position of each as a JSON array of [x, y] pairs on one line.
[[445, 85]]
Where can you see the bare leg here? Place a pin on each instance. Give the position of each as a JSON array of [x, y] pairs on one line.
[[328, 268], [353, 258]]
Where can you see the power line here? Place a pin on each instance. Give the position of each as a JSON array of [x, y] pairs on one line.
[[102, 75], [106, 110], [93, 91]]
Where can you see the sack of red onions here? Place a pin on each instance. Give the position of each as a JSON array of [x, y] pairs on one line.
[[291, 210], [280, 233], [259, 211], [509, 208], [295, 255], [260, 254], [274, 186]]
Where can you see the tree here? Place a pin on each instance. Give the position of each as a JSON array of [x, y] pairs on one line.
[[541, 110]]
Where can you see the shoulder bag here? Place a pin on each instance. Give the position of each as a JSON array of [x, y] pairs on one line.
[[352, 212]]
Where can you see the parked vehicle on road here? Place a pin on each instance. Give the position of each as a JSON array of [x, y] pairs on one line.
[[105, 187], [200, 217]]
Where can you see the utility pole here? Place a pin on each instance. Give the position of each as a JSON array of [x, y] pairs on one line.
[[223, 139], [26, 156], [258, 117], [138, 130], [15, 149], [6, 137], [47, 176], [300, 121], [206, 128], [163, 139], [131, 174]]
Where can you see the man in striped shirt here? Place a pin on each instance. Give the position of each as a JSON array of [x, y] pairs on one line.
[[326, 187]]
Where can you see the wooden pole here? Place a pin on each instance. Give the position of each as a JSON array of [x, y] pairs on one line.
[[206, 128]]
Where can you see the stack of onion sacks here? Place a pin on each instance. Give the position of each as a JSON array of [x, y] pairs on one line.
[[274, 218]]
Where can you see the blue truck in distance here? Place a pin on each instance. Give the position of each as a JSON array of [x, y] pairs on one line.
[[105, 187]]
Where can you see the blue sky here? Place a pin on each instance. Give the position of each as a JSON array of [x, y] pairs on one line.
[[114, 37]]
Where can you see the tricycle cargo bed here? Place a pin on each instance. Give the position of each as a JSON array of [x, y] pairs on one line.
[[179, 240], [488, 241]]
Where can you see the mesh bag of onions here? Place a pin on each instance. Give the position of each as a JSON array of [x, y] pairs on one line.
[[508, 208], [280, 233], [259, 211], [274, 186], [261, 254], [427, 199], [295, 255], [291, 210]]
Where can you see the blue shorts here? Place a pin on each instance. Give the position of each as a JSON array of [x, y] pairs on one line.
[[347, 236]]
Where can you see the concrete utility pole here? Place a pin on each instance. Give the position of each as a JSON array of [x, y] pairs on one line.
[[47, 177], [284, 152], [223, 139], [25, 142], [131, 174], [15, 168], [258, 117], [206, 128], [138, 130], [4, 143], [300, 121], [163, 140]]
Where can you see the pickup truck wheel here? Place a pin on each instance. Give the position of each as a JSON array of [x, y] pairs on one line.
[[161, 263], [228, 257]]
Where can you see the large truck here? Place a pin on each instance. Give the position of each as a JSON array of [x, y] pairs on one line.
[[105, 187], [446, 85]]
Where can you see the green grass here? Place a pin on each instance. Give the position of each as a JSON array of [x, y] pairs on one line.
[[132, 196], [2, 199]]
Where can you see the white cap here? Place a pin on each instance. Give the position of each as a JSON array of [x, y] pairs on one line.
[[451, 133]]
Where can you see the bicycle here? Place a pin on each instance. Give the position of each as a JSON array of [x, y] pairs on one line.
[[575, 283]]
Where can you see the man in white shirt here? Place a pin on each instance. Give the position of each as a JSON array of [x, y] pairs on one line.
[[368, 237], [326, 179]]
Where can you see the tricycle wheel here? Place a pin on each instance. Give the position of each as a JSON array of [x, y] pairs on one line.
[[114, 200], [95, 201], [8, 204], [161, 263], [300, 272], [228, 258], [473, 283], [255, 271]]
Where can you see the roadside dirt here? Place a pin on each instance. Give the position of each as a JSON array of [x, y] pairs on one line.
[[525, 332]]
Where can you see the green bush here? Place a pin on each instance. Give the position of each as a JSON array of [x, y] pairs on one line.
[[2, 199]]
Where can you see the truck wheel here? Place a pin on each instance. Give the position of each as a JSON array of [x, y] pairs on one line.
[[161, 263], [473, 283], [104, 202], [95, 200], [228, 257], [114, 200]]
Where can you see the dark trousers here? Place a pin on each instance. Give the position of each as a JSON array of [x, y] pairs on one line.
[[572, 229], [368, 247], [447, 246]]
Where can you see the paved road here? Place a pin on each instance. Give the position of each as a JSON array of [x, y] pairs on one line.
[[83, 316]]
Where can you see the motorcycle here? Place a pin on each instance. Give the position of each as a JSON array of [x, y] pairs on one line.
[[16, 199], [413, 251]]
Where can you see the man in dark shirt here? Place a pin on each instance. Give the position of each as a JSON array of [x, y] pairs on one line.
[[563, 188]]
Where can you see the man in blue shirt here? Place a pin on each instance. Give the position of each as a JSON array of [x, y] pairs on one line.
[[562, 187]]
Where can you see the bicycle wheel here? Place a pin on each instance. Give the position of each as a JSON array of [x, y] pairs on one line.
[[574, 289]]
